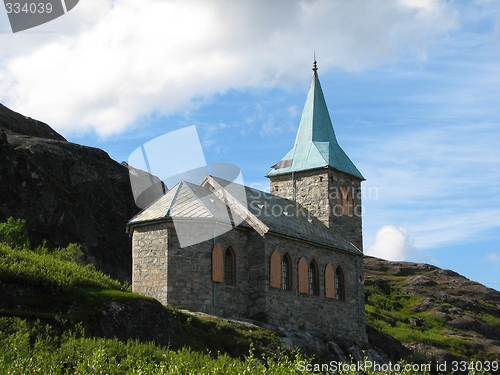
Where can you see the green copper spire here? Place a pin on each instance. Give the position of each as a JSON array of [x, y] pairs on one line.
[[315, 145]]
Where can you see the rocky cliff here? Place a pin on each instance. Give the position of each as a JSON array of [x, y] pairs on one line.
[[434, 312], [65, 192]]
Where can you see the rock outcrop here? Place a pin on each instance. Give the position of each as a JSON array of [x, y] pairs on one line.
[[67, 193], [441, 301]]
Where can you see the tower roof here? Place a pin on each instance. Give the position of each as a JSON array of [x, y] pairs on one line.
[[315, 145]]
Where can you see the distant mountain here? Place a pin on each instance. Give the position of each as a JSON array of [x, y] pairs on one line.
[[66, 192]]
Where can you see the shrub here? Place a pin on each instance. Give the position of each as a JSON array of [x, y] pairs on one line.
[[50, 272], [13, 233]]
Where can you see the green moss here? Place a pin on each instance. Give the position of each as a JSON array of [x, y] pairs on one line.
[[491, 320]]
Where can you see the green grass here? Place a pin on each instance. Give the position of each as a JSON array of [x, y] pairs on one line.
[[40, 335], [35, 349], [491, 320], [49, 272]]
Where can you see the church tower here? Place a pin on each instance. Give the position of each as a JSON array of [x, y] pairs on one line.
[[318, 174]]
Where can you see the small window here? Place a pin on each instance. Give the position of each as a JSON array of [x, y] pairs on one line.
[[217, 264], [313, 278], [350, 206], [229, 267], [329, 282], [286, 273], [346, 202], [275, 270], [302, 275], [339, 284]]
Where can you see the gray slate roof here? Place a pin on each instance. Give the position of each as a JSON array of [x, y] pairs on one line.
[[279, 215], [185, 200]]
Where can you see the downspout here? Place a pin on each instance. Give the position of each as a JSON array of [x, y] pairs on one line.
[[213, 282], [293, 186]]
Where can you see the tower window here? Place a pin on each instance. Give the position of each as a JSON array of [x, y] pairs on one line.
[[229, 267], [346, 203]]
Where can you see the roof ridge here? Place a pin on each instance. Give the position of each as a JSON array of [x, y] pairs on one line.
[[198, 199], [233, 203], [174, 198]]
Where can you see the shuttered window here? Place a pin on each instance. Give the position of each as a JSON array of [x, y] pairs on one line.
[[217, 264], [274, 270], [229, 267], [313, 278], [286, 273], [339, 284], [329, 282], [346, 201], [302, 275]]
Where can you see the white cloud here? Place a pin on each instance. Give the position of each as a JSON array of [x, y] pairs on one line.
[[494, 258], [392, 243], [435, 182], [109, 63]]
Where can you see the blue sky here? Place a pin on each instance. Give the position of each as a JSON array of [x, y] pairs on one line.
[[413, 89]]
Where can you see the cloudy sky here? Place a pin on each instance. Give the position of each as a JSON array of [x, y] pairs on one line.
[[413, 89]]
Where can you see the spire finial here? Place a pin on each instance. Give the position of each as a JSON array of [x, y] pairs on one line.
[[315, 64]]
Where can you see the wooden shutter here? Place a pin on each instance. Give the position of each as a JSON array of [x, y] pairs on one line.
[[275, 270], [329, 282], [303, 275], [217, 264]]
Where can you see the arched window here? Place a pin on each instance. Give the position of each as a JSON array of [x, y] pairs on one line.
[[339, 284], [329, 282], [302, 275], [217, 264], [349, 205], [286, 273], [313, 278], [275, 270], [229, 267], [346, 203]]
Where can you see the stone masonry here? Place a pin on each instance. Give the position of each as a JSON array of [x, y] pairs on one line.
[[319, 192], [181, 277]]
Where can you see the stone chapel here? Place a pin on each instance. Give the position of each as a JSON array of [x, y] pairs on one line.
[[292, 257]]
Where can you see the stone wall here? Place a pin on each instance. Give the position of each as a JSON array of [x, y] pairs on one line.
[[294, 310], [149, 261], [318, 191], [190, 274], [182, 277]]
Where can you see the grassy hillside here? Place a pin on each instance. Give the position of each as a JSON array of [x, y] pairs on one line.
[[59, 315], [51, 310], [432, 311]]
